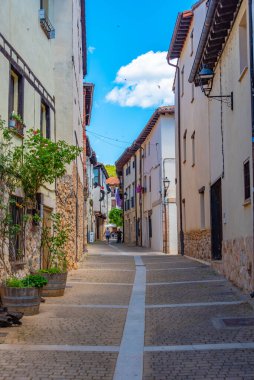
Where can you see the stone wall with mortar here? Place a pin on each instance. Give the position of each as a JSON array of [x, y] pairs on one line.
[[237, 262], [197, 244], [32, 257], [70, 204]]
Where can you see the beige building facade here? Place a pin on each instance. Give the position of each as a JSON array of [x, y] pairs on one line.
[[214, 71], [42, 65]]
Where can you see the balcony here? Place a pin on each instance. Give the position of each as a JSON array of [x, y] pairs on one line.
[[46, 25]]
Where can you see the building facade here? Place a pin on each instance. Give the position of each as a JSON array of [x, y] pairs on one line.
[[101, 199], [214, 67], [147, 173], [42, 65]]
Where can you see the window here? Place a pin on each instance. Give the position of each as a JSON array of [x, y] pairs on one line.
[[16, 240], [45, 5], [46, 25], [149, 148], [192, 92], [246, 169], [191, 42], [184, 146], [16, 93], [145, 151], [202, 207], [45, 120], [145, 184], [193, 148], [96, 176], [150, 184], [243, 44], [182, 81]]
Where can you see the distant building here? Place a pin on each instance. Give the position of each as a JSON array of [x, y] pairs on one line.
[[101, 199], [147, 173]]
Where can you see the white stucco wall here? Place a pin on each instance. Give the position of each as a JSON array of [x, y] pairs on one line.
[[159, 163], [236, 126], [194, 118]]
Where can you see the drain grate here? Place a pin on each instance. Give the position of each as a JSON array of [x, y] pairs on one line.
[[238, 322]]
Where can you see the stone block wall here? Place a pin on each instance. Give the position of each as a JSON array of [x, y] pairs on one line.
[[237, 262], [197, 244], [70, 204]]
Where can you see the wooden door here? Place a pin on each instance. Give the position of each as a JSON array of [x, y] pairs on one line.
[[46, 224], [216, 222]]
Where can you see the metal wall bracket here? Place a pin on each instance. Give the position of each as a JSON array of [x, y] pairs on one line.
[[227, 99]]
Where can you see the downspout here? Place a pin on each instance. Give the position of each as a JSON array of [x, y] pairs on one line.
[[251, 29], [179, 157]]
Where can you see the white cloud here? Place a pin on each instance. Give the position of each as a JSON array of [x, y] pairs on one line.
[[145, 82], [91, 49]]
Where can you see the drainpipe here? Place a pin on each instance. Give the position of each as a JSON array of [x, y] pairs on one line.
[[251, 29], [179, 157]]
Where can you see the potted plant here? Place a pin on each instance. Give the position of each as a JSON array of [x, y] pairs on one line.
[[54, 240], [16, 122], [23, 294]]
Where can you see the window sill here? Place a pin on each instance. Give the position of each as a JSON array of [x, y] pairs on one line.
[[244, 71], [247, 202]]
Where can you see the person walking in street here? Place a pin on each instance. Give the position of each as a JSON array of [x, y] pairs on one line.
[[107, 235], [119, 236]]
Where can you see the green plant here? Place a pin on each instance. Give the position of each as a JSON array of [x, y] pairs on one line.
[[55, 239], [35, 281], [40, 160], [16, 116], [116, 216], [54, 270], [28, 166], [14, 282]]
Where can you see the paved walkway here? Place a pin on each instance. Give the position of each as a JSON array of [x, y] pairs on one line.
[[133, 314]]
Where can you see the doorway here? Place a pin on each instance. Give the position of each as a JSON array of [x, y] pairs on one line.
[[47, 223], [216, 220]]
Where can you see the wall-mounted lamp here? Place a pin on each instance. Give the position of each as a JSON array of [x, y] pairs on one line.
[[205, 78]]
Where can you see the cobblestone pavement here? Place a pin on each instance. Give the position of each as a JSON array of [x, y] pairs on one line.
[[132, 314]]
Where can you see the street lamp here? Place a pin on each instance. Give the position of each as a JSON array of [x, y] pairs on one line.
[[205, 79]]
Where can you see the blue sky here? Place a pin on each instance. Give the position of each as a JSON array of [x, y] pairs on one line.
[[120, 35]]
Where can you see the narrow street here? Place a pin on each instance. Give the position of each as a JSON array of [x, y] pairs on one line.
[[129, 313]]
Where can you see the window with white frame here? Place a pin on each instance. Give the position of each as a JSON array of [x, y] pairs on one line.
[[246, 172], [182, 81], [193, 148], [191, 42], [243, 44], [184, 146]]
